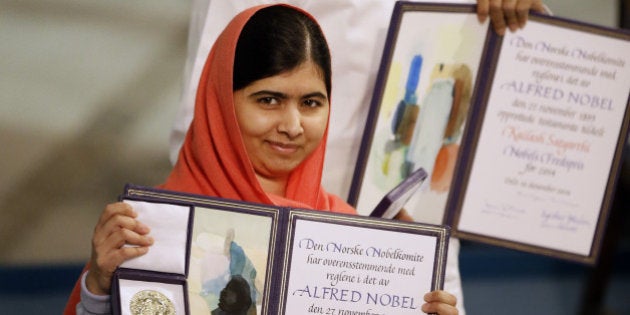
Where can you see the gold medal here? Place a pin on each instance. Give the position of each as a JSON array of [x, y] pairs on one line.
[[150, 302]]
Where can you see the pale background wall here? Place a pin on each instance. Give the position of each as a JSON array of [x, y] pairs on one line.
[[88, 90]]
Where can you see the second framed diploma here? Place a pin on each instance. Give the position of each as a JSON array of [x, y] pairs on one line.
[[521, 135]]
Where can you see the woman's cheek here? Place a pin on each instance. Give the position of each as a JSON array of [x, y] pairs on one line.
[[258, 123], [315, 123]]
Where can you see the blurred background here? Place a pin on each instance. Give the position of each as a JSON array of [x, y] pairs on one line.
[[88, 93]]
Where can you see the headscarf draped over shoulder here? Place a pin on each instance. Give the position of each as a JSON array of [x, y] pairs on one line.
[[213, 160]]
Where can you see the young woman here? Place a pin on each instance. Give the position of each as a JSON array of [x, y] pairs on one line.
[[258, 134], [355, 31]]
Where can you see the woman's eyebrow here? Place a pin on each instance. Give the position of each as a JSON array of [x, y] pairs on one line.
[[285, 96], [315, 95], [269, 93]]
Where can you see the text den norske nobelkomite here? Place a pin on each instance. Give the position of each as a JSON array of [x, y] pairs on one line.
[[347, 274]]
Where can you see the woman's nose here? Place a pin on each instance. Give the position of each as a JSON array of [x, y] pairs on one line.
[[291, 122]]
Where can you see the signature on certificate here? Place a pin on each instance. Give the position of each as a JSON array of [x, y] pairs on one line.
[[562, 220], [503, 209]]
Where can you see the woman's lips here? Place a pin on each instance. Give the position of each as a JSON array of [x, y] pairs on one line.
[[284, 148]]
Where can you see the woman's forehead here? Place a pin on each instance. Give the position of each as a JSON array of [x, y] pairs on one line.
[[305, 78]]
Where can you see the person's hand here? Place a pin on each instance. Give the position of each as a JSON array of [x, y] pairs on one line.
[[440, 302], [116, 227], [512, 14]]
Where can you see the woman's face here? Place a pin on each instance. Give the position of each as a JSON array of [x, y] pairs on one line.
[[282, 119]]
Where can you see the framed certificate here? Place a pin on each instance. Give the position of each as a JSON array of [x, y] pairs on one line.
[[275, 260], [341, 264], [529, 155]]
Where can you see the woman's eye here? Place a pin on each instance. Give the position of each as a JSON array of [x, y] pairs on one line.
[[312, 103], [268, 100]]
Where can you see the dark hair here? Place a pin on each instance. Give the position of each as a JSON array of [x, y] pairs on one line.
[[277, 39]]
